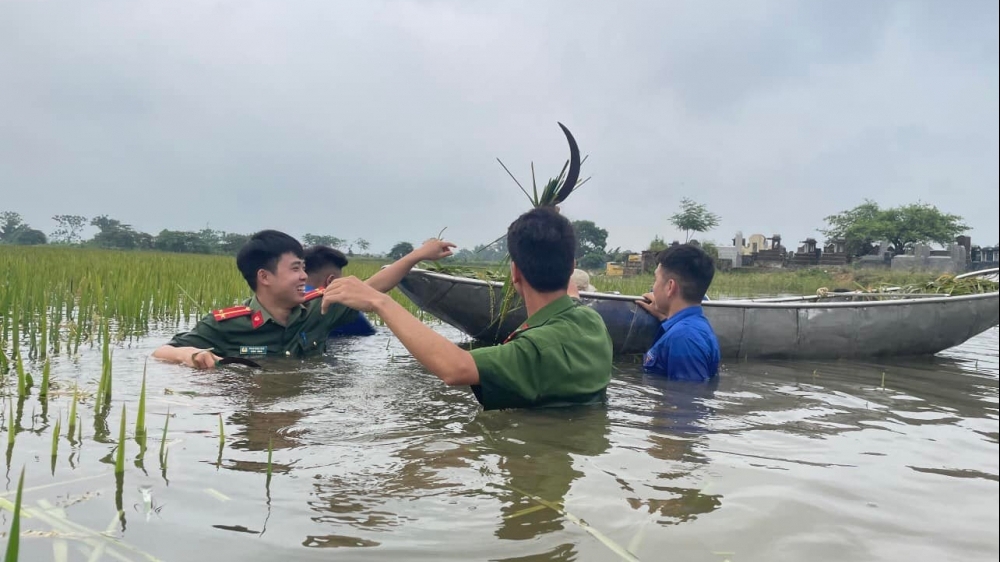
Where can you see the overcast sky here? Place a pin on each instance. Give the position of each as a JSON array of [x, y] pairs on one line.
[[384, 120]]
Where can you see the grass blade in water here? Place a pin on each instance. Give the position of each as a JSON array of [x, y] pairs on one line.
[[43, 391], [55, 435], [140, 421], [14, 536], [22, 384], [55, 443], [120, 456], [163, 441], [72, 413]]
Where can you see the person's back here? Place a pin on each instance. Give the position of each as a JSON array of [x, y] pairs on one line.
[[561, 355], [687, 348]]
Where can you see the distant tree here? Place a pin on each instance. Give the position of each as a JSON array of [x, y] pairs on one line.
[[590, 238], [657, 245], [694, 217], [710, 249], [902, 227], [400, 250], [483, 253], [618, 254], [68, 229], [594, 260], [113, 234], [323, 240], [362, 245], [11, 224], [182, 242], [231, 243], [29, 237]]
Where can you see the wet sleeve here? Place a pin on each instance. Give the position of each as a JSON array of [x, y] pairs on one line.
[[507, 375], [204, 335]]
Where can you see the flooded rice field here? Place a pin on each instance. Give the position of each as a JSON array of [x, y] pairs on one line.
[[373, 459]]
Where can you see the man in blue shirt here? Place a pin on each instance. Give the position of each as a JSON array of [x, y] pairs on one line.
[[687, 349]]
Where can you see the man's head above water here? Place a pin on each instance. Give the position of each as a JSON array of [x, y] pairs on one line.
[[273, 265], [324, 264], [542, 249]]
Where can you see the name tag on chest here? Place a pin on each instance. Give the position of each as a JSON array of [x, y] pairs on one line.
[[253, 350]]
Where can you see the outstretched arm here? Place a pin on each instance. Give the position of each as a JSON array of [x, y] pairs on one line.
[[447, 361], [387, 279]]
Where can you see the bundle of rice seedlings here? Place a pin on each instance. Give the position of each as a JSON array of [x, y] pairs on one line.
[[556, 191]]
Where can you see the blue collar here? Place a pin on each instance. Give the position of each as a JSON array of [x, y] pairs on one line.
[[686, 313]]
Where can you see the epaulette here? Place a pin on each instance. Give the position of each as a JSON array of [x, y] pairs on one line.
[[231, 312], [315, 293]]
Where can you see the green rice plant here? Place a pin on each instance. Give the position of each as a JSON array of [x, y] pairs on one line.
[[43, 390], [104, 387], [15, 349], [44, 329], [120, 453], [140, 420], [556, 191], [22, 378], [67, 298], [163, 440], [72, 412], [14, 535], [55, 442]]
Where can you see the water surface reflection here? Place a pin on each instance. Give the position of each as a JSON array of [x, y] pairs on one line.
[[891, 460]]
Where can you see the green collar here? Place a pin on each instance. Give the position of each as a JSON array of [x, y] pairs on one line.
[[549, 311], [255, 305]]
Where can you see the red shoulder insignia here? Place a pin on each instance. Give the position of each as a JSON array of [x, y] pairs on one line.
[[315, 293], [231, 312], [257, 320]]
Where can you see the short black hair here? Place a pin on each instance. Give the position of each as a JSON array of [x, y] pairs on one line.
[[691, 267], [542, 244], [263, 251], [319, 256]]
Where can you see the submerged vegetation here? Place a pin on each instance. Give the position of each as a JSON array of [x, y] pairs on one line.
[[58, 304]]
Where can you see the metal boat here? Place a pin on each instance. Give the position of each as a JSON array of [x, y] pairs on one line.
[[823, 326]]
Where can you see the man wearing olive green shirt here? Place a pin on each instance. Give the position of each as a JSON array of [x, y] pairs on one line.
[[560, 356], [281, 319]]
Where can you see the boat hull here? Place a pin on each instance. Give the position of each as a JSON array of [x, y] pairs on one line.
[[805, 328]]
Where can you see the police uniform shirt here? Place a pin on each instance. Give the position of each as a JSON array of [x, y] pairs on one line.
[[562, 355], [250, 331]]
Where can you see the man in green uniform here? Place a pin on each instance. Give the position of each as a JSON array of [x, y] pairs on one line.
[[282, 318], [560, 356]]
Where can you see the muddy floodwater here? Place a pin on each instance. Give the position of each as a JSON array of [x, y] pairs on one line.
[[374, 459]]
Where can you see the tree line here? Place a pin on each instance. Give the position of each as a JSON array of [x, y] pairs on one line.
[[116, 235], [858, 229]]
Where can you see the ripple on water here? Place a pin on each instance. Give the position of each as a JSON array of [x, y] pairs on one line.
[[880, 460]]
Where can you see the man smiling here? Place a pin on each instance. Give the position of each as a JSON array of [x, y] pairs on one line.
[[282, 318]]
